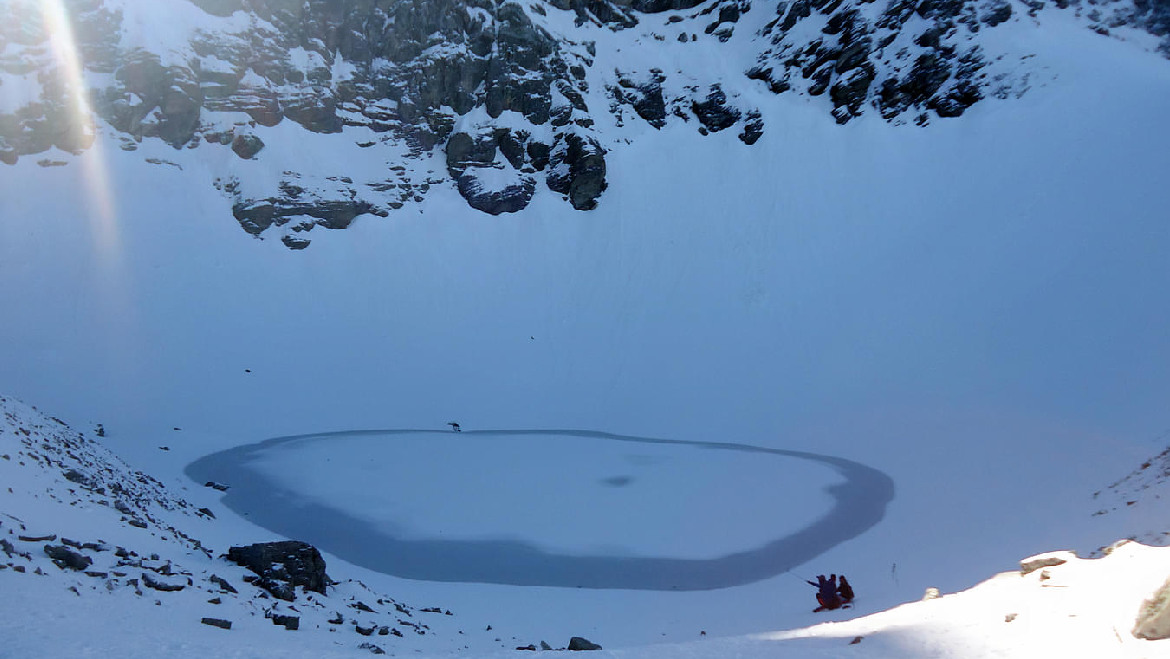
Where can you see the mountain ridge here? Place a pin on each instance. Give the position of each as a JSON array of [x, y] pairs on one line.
[[497, 99]]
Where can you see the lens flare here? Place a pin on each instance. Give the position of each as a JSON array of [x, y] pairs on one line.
[[82, 127]]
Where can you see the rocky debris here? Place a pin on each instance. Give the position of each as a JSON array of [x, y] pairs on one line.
[[168, 575], [74, 476], [217, 622], [372, 648], [288, 562], [580, 643], [1153, 619], [10, 550], [1048, 559], [931, 594], [216, 486], [90, 546], [67, 559], [529, 647], [545, 646]]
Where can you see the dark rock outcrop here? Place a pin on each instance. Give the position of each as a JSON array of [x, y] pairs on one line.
[[283, 565], [714, 112], [508, 199], [578, 170]]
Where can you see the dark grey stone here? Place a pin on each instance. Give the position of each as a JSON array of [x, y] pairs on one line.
[[217, 622], [65, 558], [579, 643]]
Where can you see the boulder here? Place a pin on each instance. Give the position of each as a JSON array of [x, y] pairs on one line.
[[222, 583], [167, 586], [1153, 619], [1050, 559], [217, 622], [580, 643], [292, 562], [246, 147], [65, 558]]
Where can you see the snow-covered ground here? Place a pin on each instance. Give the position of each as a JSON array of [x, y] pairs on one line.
[[974, 308], [148, 588]]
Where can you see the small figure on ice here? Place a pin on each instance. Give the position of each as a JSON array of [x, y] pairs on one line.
[[454, 426]]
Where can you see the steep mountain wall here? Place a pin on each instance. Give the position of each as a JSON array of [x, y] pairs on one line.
[[499, 99]]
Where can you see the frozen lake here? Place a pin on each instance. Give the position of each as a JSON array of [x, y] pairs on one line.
[[567, 508]]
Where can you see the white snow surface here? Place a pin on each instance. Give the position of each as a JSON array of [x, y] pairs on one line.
[[974, 308], [1072, 607]]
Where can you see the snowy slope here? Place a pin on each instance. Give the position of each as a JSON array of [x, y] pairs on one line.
[[127, 602]]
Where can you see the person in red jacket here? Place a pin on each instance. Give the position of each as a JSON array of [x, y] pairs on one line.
[[827, 595]]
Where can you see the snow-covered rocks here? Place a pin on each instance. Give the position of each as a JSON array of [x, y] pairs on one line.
[[282, 566], [1048, 559]]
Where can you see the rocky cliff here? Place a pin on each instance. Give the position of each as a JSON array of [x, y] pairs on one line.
[[497, 99]]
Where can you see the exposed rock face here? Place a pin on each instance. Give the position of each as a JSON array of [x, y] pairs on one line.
[[291, 562], [498, 89], [578, 170], [714, 112]]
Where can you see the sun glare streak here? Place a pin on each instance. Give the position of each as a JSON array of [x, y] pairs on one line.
[[82, 123], [110, 283]]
